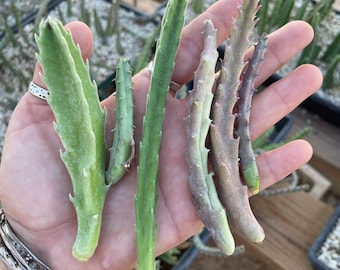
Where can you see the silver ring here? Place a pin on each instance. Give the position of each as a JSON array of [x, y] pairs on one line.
[[38, 91], [173, 86]]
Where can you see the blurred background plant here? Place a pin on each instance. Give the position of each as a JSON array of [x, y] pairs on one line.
[[18, 24], [324, 51]]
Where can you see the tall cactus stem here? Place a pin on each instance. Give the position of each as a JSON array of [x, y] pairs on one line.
[[147, 173], [246, 92], [201, 182]]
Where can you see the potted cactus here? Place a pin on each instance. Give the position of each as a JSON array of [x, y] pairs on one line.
[[325, 252]]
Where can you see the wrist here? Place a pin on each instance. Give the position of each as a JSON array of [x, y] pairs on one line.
[[3, 265], [13, 252]]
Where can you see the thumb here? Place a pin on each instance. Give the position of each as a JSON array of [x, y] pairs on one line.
[[31, 109]]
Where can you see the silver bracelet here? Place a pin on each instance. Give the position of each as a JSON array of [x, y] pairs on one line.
[[13, 252]]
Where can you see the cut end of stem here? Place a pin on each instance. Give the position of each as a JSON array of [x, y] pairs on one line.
[[251, 175], [260, 242], [85, 245]]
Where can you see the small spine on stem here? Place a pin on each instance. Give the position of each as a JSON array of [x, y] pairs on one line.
[[80, 124], [122, 150], [148, 169], [225, 146]]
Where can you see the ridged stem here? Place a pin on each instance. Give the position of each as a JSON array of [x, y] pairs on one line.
[[246, 92], [80, 125], [201, 182], [148, 169], [122, 150], [233, 194]]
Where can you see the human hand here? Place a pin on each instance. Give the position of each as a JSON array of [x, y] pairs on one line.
[[34, 184]]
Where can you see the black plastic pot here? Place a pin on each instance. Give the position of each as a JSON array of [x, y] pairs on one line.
[[319, 242], [190, 254], [316, 104], [325, 109]]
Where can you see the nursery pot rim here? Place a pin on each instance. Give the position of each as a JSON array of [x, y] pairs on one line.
[[312, 254]]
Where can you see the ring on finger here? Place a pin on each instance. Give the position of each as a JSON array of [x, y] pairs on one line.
[[173, 86], [38, 91]]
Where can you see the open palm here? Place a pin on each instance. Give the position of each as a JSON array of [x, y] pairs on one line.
[[34, 184]]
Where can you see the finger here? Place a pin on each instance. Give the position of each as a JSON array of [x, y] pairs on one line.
[[191, 45], [277, 164], [282, 97], [221, 14], [25, 111], [283, 44], [82, 35], [280, 48]]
